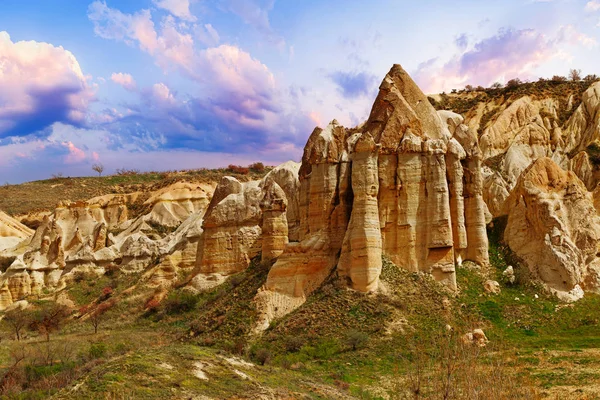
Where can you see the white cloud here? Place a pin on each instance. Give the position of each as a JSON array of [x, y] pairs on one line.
[[41, 84], [125, 80], [592, 6], [208, 35], [179, 8]]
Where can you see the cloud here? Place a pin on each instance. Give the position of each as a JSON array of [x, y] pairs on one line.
[[125, 80], [41, 84], [170, 47], [592, 6], [462, 41], [110, 23], [179, 8], [75, 155], [72, 152], [207, 35], [234, 102], [509, 54], [354, 84], [256, 14]]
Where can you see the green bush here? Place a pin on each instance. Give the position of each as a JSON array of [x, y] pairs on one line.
[[263, 356], [97, 350], [322, 350], [294, 344], [356, 339], [37, 372], [180, 301]]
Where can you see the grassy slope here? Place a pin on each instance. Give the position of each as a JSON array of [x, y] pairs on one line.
[[538, 348], [44, 195]]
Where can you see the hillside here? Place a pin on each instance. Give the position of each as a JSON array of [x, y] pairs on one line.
[[426, 254], [45, 194]]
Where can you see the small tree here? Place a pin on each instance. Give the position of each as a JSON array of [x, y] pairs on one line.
[[99, 168], [496, 85], [50, 318], [575, 75], [96, 315], [513, 83], [17, 319], [356, 339]]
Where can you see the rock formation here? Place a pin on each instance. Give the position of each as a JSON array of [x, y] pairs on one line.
[[94, 235], [11, 231], [244, 219], [554, 227], [407, 184]]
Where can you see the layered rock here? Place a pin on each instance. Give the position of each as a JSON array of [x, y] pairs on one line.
[[173, 204], [528, 128], [554, 227], [12, 231], [94, 235], [407, 184], [244, 219], [10, 227]]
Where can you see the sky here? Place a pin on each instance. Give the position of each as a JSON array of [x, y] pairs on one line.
[[180, 84]]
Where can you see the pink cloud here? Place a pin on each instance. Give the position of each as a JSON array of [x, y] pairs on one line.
[[125, 80], [95, 156], [509, 54], [592, 6], [179, 8], [41, 84], [75, 155], [110, 23], [169, 46]]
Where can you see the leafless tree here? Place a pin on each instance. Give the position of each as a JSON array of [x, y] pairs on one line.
[[17, 319], [99, 168], [50, 318], [575, 75]]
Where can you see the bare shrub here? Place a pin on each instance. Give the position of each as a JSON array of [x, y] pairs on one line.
[[99, 168]]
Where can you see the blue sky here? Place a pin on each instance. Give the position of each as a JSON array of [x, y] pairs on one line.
[[173, 84]]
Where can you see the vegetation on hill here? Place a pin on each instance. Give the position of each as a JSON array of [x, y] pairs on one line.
[[403, 343], [465, 100], [45, 194]]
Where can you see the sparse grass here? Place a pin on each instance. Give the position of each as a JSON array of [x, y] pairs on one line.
[[19, 199], [463, 101]]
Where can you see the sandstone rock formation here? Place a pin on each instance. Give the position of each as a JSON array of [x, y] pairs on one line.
[[11, 231], [244, 219], [554, 227], [99, 233], [520, 131], [407, 184]]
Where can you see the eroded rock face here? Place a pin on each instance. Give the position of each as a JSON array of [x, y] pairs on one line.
[[553, 226], [244, 219], [94, 235], [407, 184], [10, 227], [12, 232]]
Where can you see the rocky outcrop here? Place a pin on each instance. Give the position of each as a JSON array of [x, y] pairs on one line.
[[98, 234], [173, 204], [554, 227], [244, 219], [407, 184], [583, 127], [517, 131], [10, 227], [12, 232]]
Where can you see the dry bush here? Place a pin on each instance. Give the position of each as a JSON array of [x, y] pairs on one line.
[[257, 167], [238, 169], [127, 172], [447, 368]]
